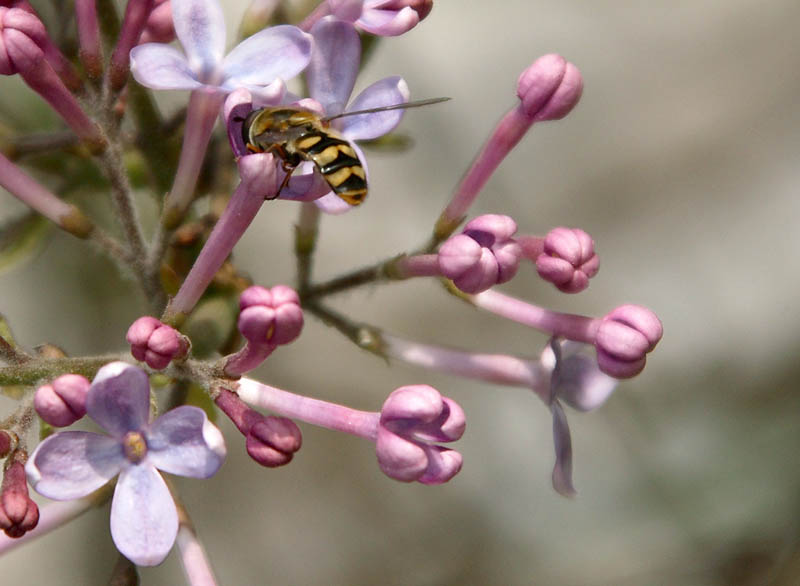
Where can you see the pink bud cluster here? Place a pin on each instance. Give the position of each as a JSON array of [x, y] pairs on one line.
[[155, 343]]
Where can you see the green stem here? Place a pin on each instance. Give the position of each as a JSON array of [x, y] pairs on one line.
[[38, 369], [305, 241]]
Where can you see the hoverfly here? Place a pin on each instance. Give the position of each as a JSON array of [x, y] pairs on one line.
[[296, 135]]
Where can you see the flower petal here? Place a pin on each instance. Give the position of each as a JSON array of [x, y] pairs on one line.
[[332, 204], [581, 383], [389, 91], [334, 64], [200, 27], [161, 67], [276, 52], [305, 185], [72, 464], [184, 442], [119, 398], [562, 471], [144, 521], [388, 23]]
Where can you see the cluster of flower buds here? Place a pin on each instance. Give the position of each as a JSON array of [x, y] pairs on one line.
[[285, 147]]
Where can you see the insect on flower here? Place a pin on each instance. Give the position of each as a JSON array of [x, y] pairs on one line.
[[296, 135]]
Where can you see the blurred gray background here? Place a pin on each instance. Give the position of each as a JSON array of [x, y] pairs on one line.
[[682, 162]]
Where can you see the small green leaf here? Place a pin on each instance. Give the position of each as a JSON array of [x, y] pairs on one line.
[[6, 333], [45, 430], [21, 239]]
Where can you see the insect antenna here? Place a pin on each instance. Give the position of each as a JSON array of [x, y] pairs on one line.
[[403, 106]]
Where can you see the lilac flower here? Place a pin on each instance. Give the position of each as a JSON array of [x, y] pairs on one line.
[[331, 76], [276, 52], [72, 464], [385, 18], [577, 380]]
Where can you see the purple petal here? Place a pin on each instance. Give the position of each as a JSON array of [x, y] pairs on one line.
[[334, 64], [277, 52], [72, 464], [562, 471], [119, 398], [389, 91], [581, 383], [184, 442], [388, 23], [162, 67], [144, 521], [332, 204], [200, 27]]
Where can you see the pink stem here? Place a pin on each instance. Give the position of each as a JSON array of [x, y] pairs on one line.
[[328, 415], [573, 327]]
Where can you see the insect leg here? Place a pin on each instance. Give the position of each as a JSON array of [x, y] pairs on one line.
[[286, 165]]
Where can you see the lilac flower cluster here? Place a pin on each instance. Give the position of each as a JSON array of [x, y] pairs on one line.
[[302, 150]]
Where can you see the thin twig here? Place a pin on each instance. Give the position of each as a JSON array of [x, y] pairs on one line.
[[43, 142]]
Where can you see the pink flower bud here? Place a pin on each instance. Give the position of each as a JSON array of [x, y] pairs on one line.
[[549, 88], [18, 513], [155, 343], [270, 316], [21, 37], [272, 441], [568, 260], [159, 27], [63, 401], [8, 441], [483, 255], [412, 417], [624, 338]]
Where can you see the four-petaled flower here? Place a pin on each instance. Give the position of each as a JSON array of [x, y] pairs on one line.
[[72, 464], [331, 76], [275, 53]]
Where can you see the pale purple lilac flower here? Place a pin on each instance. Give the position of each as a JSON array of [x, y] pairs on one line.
[[63, 401], [274, 54], [483, 255], [331, 76], [385, 18], [563, 372], [565, 258], [413, 418], [72, 464]]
